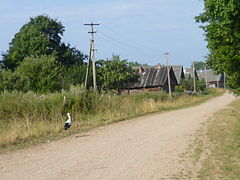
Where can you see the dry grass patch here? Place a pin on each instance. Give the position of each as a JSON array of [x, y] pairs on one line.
[[215, 151], [29, 118], [223, 162]]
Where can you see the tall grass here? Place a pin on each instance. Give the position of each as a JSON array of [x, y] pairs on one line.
[[28, 117]]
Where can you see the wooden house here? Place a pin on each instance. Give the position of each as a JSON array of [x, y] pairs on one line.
[[179, 73], [213, 79], [154, 79], [188, 73]]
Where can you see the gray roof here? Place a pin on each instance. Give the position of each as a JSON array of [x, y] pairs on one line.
[[153, 77], [188, 73], [211, 75], [178, 71]]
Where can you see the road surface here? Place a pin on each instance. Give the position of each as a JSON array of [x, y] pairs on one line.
[[143, 148]]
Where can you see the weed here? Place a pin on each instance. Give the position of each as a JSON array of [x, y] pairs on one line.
[[29, 118]]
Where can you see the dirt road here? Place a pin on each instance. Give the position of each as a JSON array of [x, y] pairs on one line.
[[143, 148]]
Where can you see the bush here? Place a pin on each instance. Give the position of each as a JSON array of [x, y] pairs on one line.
[[179, 89], [76, 74], [42, 74], [14, 81], [115, 74], [45, 73], [188, 84]]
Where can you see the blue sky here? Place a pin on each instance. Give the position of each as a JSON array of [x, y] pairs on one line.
[[137, 30]]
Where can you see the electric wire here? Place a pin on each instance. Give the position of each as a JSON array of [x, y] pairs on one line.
[[136, 43], [119, 45], [128, 46]]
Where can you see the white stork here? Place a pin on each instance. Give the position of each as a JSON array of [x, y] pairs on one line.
[[68, 123]]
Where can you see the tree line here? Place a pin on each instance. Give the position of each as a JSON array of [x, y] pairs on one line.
[[221, 21], [37, 60]]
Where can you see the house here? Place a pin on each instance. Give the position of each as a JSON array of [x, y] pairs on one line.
[[212, 79], [154, 79], [188, 73], [179, 73]]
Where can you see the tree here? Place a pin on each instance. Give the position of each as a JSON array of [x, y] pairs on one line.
[[45, 74], [199, 65], [135, 63], [188, 84], [221, 19], [41, 74], [40, 36], [114, 74], [10, 81]]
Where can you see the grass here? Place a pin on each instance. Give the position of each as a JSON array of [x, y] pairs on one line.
[[28, 119], [223, 134], [215, 150]]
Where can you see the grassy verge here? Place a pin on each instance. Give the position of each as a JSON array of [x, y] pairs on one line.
[[215, 151], [223, 160], [28, 119]]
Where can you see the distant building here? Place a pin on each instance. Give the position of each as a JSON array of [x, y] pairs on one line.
[[188, 73], [213, 79], [154, 79], [179, 73]]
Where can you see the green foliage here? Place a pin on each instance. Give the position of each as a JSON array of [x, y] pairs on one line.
[[135, 63], [221, 19], [75, 74], [42, 74], [199, 65], [179, 89], [37, 60], [27, 118], [114, 74], [45, 73], [188, 84], [13, 81], [40, 36]]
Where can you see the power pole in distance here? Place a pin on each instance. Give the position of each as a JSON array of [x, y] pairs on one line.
[[224, 79], [91, 56], [194, 78], [205, 72], [168, 74]]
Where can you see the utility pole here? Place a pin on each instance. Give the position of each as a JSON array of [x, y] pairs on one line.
[[205, 72], [194, 78], [88, 65], [168, 74], [91, 57], [224, 79]]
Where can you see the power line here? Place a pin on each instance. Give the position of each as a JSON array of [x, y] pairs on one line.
[[130, 39], [121, 46], [125, 45], [131, 44]]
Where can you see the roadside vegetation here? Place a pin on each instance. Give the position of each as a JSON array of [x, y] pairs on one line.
[[40, 82], [29, 118], [215, 151], [223, 134], [220, 23]]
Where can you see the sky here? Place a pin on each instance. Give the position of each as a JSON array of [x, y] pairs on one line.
[[137, 30]]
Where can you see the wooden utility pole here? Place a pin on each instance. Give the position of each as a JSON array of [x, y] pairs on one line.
[[224, 79], [168, 75], [205, 72], [91, 57], [88, 65], [194, 79]]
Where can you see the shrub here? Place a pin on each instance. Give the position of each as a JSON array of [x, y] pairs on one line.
[[188, 84], [14, 81], [42, 74]]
